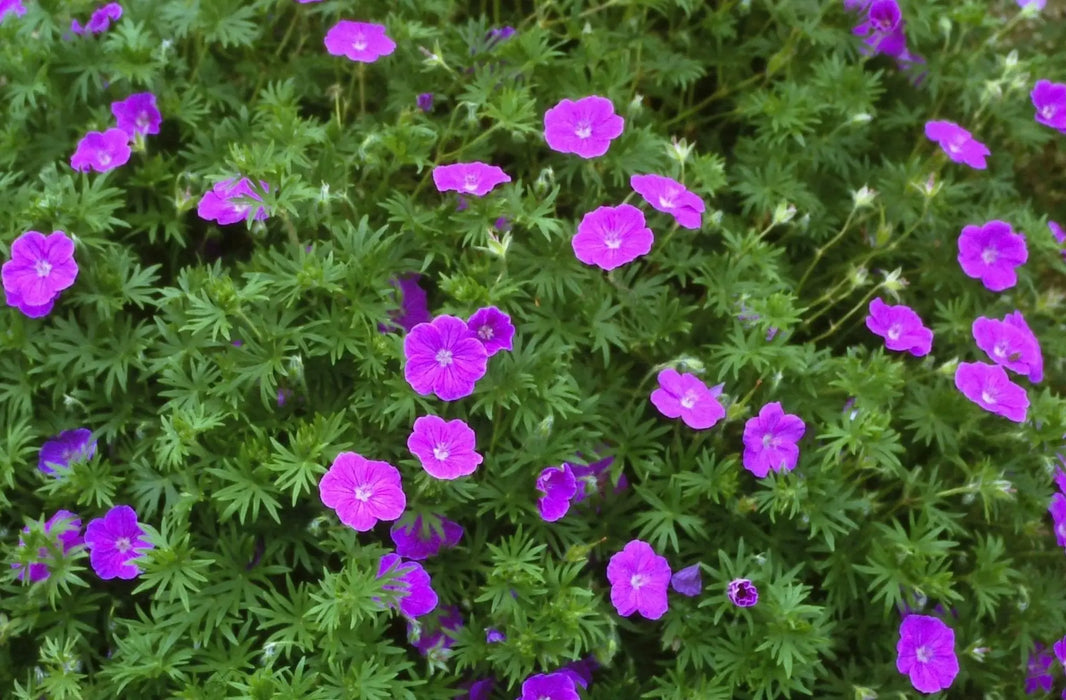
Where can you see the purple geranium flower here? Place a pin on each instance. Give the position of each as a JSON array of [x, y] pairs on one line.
[[581, 670], [1037, 675], [1010, 343], [585, 127], [639, 580], [101, 151], [594, 478], [413, 307], [1049, 99], [493, 328], [115, 541], [425, 101], [608, 237], [359, 41], [497, 35], [991, 253], [445, 448], [480, 689], [65, 529], [362, 491], [227, 202], [39, 269], [988, 387], [443, 358], [423, 538], [99, 21], [742, 593], [958, 143], [558, 486], [770, 440], [11, 6], [1057, 233], [1038, 4], [684, 396], [494, 636], [670, 197], [473, 179], [411, 583], [69, 446], [434, 636], [1059, 648], [687, 581], [926, 653], [901, 328], [549, 686], [1057, 509], [137, 114]]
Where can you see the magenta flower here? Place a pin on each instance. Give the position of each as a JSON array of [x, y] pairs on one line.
[[435, 636], [549, 686], [593, 479], [558, 486], [1010, 343], [1038, 4], [445, 448], [585, 127], [639, 580], [742, 593], [770, 440], [494, 636], [101, 151], [99, 21], [670, 197], [958, 143], [884, 32], [991, 253], [1049, 100], [1057, 509], [473, 179], [443, 358], [687, 581], [608, 237], [39, 269], [424, 101], [926, 653], [1056, 232], [65, 529], [1059, 648], [1038, 676], [988, 387], [492, 328], [359, 41], [137, 114], [421, 538], [901, 328], [11, 6], [411, 584], [413, 307], [362, 491], [69, 446], [684, 396], [229, 203], [115, 542]]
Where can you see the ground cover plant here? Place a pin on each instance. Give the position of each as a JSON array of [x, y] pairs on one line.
[[609, 349]]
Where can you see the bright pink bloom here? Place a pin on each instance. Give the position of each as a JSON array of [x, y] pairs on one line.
[[639, 581], [585, 127], [559, 486], [11, 6], [926, 653], [1057, 509], [359, 41], [445, 448], [443, 358], [228, 202], [362, 491], [1049, 100], [670, 197], [39, 269], [99, 21], [958, 143], [101, 151], [137, 114], [770, 440], [608, 237], [476, 179], [991, 253], [901, 328], [1010, 343], [684, 396], [493, 328], [65, 530], [411, 584], [115, 542], [988, 387], [423, 538]]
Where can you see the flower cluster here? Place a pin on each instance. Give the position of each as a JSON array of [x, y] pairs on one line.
[[447, 356], [883, 30]]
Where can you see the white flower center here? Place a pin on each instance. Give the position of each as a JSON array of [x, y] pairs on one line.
[[104, 158], [955, 144], [142, 120], [241, 209], [485, 332], [987, 397], [923, 654], [444, 357], [612, 240], [893, 331], [440, 452], [122, 544], [583, 129], [989, 255], [1000, 350], [770, 440], [470, 183], [636, 581], [667, 202], [359, 43], [363, 493], [688, 400], [1047, 111], [43, 268]]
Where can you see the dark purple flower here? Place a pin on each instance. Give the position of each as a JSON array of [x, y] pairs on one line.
[[958, 143], [687, 581], [413, 307], [39, 269], [585, 127], [926, 653], [494, 636], [1049, 99], [99, 21], [992, 253], [479, 689], [425, 101], [443, 358], [101, 151], [69, 446], [412, 585], [115, 542], [1010, 343], [493, 328], [421, 538], [639, 581], [558, 486], [581, 671], [771, 440], [594, 478], [1059, 648], [498, 35], [989, 387], [137, 114], [65, 530], [549, 686], [1037, 675], [435, 635], [359, 41], [742, 593]]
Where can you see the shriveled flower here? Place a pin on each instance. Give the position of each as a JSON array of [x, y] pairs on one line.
[[1010, 343], [958, 143], [900, 326], [115, 542], [425, 101], [1038, 676], [558, 486], [608, 237], [228, 202], [770, 440], [101, 151], [137, 114], [989, 387], [67, 447], [687, 581], [64, 528], [494, 636], [362, 491], [670, 197], [14, 7], [639, 581], [992, 253], [435, 636], [413, 307], [446, 449], [926, 653], [684, 396], [474, 179], [39, 269], [423, 538], [493, 328], [359, 41], [584, 127], [411, 584], [549, 686], [99, 21], [1057, 509], [443, 358], [742, 593]]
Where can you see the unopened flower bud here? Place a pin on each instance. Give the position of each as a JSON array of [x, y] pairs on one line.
[[783, 213], [863, 197]]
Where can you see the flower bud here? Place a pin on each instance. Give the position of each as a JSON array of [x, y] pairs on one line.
[[863, 197], [783, 213]]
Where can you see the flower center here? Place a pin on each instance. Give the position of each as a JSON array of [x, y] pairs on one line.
[[470, 183], [583, 129], [923, 654], [444, 357], [1000, 350], [612, 240], [1047, 111], [440, 452], [689, 399], [636, 581], [989, 255], [43, 268], [485, 332], [241, 209], [893, 332], [359, 42], [142, 120], [955, 144], [667, 201], [363, 493], [122, 544], [104, 158], [987, 397]]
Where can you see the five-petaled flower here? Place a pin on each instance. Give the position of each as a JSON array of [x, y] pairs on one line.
[[742, 593], [1049, 100], [115, 542], [991, 253], [362, 491], [101, 151], [228, 202], [684, 396], [558, 485], [444, 358], [410, 583], [445, 448], [989, 387], [64, 530], [359, 41], [69, 446], [422, 538], [549, 686], [958, 143], [670, 197], [639, 581], [474, 179], [900, 326], [137, 114], [770, 440], [39, 269], [608, 237], [926, 653], [584, 127], [1010, 343], [493, 328]]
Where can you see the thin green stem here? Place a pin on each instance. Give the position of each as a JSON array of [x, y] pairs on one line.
[[818, 254], [851, 312]]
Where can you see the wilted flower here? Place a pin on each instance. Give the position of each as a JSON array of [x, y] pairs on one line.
[[742, 593]]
